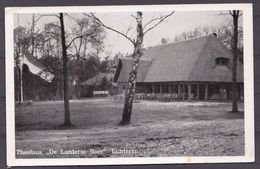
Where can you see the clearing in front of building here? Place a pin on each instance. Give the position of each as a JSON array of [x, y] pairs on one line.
[[157, 129]]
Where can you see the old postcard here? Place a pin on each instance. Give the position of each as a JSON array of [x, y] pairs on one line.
[[148, 84]]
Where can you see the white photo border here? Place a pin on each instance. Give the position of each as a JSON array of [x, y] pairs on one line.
[[248, 86]]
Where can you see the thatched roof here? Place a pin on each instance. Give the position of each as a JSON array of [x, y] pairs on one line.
[[127, 65], [190, 60]]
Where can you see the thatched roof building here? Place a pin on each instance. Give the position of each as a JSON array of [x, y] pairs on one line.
[[197, 68]]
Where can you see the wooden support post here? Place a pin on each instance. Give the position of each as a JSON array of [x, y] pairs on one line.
[[153, 88], [239, 91], [198, 91], [179, 91], [189, 91], [206, 92], [160, 88], [170, 89]]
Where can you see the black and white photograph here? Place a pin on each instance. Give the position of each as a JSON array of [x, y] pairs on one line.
[[129, 84]]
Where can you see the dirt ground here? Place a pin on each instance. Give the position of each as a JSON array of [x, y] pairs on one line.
[[157, 130]]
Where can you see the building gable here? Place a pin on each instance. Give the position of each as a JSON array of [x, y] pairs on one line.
[[207, 69]]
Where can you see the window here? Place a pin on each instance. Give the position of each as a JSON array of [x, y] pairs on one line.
[[222, 61]]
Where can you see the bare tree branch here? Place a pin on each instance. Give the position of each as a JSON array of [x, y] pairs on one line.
[[161, 19], [79, 36], [75, 45], [128, 30], [52, 24], [108, 53], [237, 12], [69, 34], [134, 16], [234, 13], [54, 33], [71, 17], [151, 21], [231, 13], [50, 15], [38, 18], [112, 29], [223, 14]]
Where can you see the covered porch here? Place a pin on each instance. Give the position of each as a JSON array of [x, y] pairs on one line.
[[177, 91]]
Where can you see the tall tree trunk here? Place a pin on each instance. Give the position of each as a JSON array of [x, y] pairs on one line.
[[234, 67], [32, 33], [21, 79], [65, 74], [127, 111]]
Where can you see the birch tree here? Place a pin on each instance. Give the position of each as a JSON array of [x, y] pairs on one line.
[[137, 54]]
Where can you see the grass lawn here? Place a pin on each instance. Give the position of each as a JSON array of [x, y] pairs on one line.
[[157, 129]]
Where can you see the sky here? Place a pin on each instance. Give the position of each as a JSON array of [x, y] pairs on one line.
[[177, 23]]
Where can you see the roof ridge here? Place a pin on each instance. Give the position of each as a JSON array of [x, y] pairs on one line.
[[190, 39], [202, 49]]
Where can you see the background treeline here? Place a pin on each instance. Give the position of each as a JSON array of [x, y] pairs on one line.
[[86, 56], [223, 33]]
